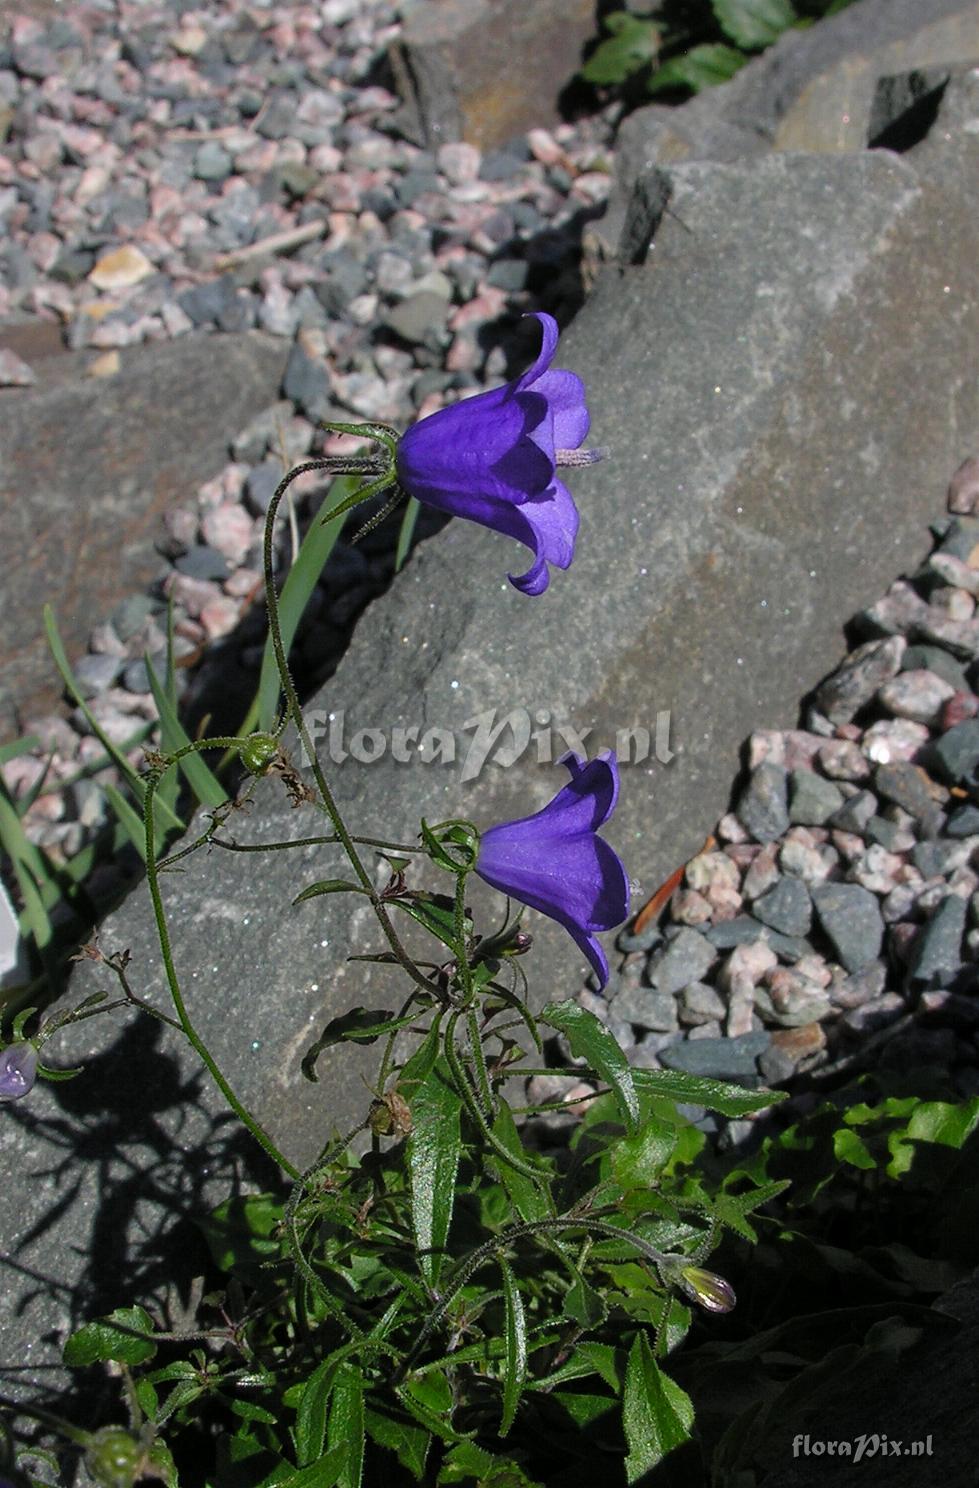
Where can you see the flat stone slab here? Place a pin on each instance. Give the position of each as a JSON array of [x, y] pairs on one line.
[[487, 70], [786, 385], [814, 90], [88, 467]]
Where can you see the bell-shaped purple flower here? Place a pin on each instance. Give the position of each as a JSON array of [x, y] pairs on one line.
[[18, 1071], [555, 861], [493, 459]]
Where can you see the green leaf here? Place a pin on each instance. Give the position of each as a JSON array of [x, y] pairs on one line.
[[657, 1416], [311, 1413], [302, 578], [713, 1095], [417, 1398], [632, 44], [114, 751], [584, 1305], [701, 67], [754, 24], [530, 1199], [591, 1040], [584, 1409], [515, 1333], [433, 1158], [173, 736], [409, 1443], [241, 1232], [406, 533], [130, 821], [361, 1025], [325, 1473], [328, 886], [471, 1465], [30, 871], [732, 1209], [24, 745], [948, 1125], [436, 912], [850, 1147], [588, 1358], [638, 1161], [112, 1338], [346, 1423]]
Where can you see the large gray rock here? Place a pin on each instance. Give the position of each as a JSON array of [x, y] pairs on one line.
[[785, 387], [813, 91], [88, 465], [909, 1397], [487, 70]]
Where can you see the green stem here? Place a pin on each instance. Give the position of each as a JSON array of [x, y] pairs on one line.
[[472, 1106], [257, 1130], [325, 841], [471, 1263], [294, 710]]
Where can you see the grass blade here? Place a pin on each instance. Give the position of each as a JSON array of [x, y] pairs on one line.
[[173, 736], [406, 534]]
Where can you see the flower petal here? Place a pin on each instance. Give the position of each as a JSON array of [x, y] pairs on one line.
[[565, 394], [549, 337], [454, 453]]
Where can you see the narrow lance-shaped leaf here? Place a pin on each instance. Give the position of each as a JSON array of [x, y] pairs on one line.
[[656, 1414], [433, 1158], [346, 1423], [591, 1040], [515, 1358]]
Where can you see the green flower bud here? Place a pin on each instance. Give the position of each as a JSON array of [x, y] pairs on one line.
[[114, 1458], [258, 752], [707, 1288]]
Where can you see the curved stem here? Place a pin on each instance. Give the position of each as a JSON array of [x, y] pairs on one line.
[[190, 1032], [294, 711], [471, 1263]]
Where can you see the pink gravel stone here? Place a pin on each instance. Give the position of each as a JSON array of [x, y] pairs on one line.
[[963, 490], [220, 616], [459, 162], [228, 528]]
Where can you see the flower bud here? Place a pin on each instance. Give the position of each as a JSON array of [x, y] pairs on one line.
[[707, 1288], [18, 1071], [258, 752], [114, 1458]]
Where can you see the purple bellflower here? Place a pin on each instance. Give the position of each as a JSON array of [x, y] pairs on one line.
[[493, 459], [555, 861], [18, 1071]]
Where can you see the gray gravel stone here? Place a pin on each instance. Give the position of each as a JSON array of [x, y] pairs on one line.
[[95, 672], [812, 800], [131, 614], [307, 384], [722, 1059], [857, 680], [935, 659], [202, 562], [212, 162], [907, 786], [700, 1004], [856, 813], [937, 957], [787, 907], [645, 1008], [684, 960], [963, 821], [956, 754], [851, 918], [763, 806]]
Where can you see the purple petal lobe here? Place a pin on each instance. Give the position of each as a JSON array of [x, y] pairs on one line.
[[491, 459], [554, 862]]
